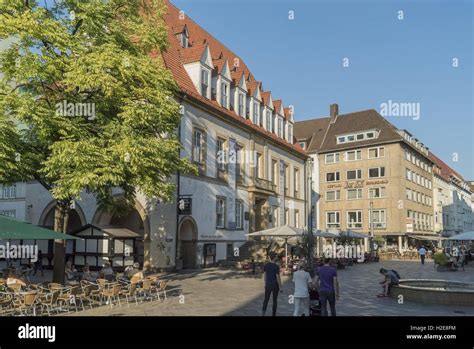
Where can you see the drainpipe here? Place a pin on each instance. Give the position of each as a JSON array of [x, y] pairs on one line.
[[178, 179]]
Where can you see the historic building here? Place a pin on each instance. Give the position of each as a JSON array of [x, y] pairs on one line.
[[251, 175], [368, 168]]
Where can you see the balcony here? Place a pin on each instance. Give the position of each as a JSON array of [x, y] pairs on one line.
[[262, 186]]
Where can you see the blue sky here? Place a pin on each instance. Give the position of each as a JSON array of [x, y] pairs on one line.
[[409, 60]]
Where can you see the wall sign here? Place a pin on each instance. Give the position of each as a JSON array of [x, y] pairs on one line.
[[185, 205]]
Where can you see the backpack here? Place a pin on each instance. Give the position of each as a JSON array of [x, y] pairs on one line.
[[396, 274]]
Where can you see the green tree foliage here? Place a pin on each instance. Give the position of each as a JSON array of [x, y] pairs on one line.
[[100, 59]]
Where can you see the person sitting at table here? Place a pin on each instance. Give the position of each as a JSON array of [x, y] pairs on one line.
[[107, 272], [134, 271], [87, 274], [71, 274], [13, 279]]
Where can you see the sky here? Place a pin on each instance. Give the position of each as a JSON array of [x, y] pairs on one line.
[[360, 54]]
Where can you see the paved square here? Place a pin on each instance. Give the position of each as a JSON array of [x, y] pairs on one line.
[[220, 292]]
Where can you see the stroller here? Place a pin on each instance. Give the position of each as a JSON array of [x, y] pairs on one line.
[[314, 303]]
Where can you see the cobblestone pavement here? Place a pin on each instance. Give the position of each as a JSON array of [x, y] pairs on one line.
[[218, 292]]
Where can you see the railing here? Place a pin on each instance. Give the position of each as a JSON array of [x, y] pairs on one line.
[[263, 184]]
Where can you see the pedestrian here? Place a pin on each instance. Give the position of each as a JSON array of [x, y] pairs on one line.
[[391, 277], [272, 279], [422, 253], [302, 280], [39, 263], [328, 287]]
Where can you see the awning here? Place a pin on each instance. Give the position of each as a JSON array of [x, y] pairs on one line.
[[120, 232], [426, 237], [12, 229], [467, 236], [284, 231]]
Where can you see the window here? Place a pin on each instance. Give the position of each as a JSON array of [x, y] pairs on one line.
[[408, 174], [274, 178], [333, 195], [354, 219], [354, 194], [256, 120], [332, 158], [280, 127], [407, 155], [354, 174], [8, 213], [269, 120], [297, 218], [274, 126], [239, 214], [220, 155], [258, 167], [224, 94], [241, 104], [376, 152], [353, 155], [9, 191], [302, 145], [333, 219], [204, 82], [220, 212], [287, 180], [296, 182], [287, 216], [238, 164], [377, 193], [379, 219], [408, 194], [198, 146], [275, 216], [376, 172], [333, 176], [184, 40], [290, 133]]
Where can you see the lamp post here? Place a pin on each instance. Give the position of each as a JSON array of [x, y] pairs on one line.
[[310, 216], [371, 238]]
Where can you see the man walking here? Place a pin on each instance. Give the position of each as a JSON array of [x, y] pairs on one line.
[[328, 287], [272, 283], [422, 253], [302, 280]]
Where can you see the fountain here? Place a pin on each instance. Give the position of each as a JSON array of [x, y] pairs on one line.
[[435, 291]]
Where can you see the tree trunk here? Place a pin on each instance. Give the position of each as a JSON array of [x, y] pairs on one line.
[[61, 218]]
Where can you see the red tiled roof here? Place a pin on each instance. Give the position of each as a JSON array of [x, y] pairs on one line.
[[445, 171], [277, 105], [266, 97], [175, 57], [287, 112]]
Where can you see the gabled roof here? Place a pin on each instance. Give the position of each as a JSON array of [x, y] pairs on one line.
[[312, 132], [267, 98], [175, 57], [277, 107], [444, 170], [356, 122]]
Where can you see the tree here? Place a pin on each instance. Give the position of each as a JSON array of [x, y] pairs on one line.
[[86, 104]]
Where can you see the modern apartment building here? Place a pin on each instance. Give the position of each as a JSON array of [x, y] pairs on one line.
[[367, 165], [452, 200]]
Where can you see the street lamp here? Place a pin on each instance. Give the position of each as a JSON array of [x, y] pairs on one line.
[[371, 236]]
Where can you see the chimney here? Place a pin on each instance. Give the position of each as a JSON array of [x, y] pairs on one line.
[[333, 112]]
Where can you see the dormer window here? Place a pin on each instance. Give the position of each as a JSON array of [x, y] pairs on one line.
[[269, 120], [184, 40], [280, 127], [224, 94], [204, 82], [241, 108], [290, 133], [256, 120]]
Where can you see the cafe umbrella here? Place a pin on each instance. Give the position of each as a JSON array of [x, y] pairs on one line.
[[285, 231], [13, 229]]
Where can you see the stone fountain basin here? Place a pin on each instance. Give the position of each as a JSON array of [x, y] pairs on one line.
[[435, 291]]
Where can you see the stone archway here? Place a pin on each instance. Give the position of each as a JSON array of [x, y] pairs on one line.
[[77, 218], [136, 219], [187, 243]]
